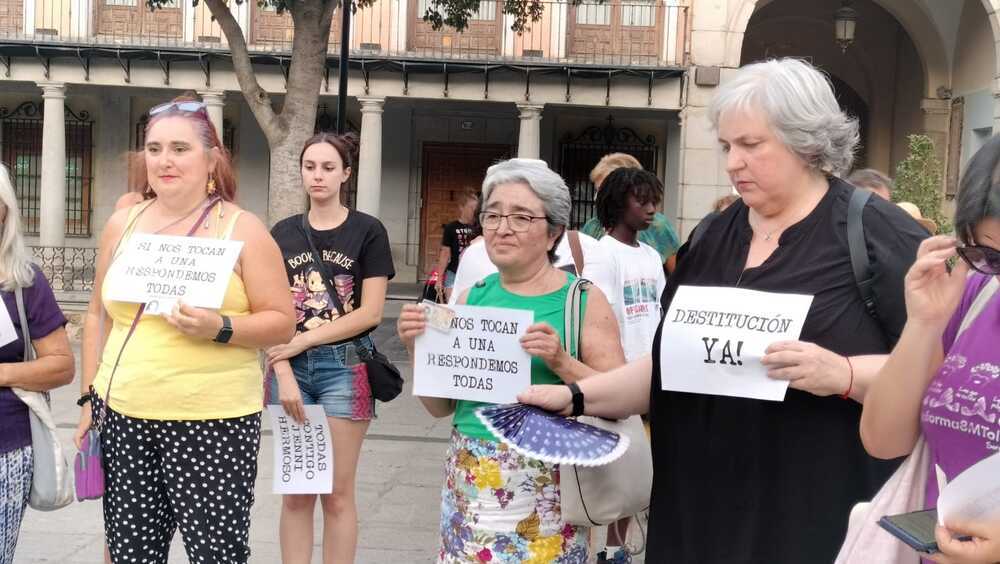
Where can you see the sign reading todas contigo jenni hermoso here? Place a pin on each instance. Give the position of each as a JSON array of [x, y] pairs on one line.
[[714, 338], [303, 454], [160, 270], [479, 358]]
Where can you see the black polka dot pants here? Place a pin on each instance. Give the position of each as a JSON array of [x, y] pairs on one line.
[[195, 475]]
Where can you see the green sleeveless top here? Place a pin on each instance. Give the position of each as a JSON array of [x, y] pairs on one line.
[[548, 308]]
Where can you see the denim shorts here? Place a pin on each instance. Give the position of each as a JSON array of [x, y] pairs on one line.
[[449, 279], [332, 376]]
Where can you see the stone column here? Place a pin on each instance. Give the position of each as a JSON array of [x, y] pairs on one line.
[[369, 166], [215, 101], [52, 228], [996, 106], [702, 177], [530, 131]]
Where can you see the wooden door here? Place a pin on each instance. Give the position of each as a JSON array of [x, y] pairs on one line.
[[616, 32], [52, 17], [11, 17], [449, 170], [269, 29], [206, 29], [482, 38]]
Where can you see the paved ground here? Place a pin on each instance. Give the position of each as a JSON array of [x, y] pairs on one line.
[[398, 489]]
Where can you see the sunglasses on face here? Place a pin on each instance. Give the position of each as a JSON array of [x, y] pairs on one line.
[[981, 258], [189, 106]]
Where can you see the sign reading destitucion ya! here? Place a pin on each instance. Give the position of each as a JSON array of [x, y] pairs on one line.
[[714, 338], [478, 358], [160, 270]]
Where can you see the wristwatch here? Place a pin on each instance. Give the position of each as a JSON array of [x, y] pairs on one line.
[[577, 399], [226, 332]]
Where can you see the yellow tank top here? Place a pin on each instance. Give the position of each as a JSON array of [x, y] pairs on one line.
[[164, 374]]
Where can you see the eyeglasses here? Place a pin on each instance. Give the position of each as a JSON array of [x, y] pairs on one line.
[[518, 222], [189, 106], [981, 258]]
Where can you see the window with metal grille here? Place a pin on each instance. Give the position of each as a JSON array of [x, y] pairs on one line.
[[639, 13], [592, 12], [580, 153], [21, 142], [487, 10]]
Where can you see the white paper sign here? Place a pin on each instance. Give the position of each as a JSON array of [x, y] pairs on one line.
[[974, 495], [713, 340], [479, 359], [160, 270], [303, 454], [7, 332]]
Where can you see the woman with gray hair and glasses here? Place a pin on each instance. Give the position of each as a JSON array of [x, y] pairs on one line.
[[497, 504], [740, 480]]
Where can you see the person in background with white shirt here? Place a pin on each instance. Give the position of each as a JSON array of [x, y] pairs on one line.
[[626, 205]]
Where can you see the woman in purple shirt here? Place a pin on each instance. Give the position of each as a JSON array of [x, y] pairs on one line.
[[52, 368], [941, 382]]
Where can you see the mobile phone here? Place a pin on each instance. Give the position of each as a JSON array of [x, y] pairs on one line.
[[916, 529]]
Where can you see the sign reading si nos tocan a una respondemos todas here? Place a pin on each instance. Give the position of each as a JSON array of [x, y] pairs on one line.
[[479, 358], [303, 454], [160, 270]]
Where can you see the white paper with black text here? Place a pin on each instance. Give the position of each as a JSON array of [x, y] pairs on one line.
[[303, 454], [160, 270], [480, 358], [974, 495], [714, 338], [7, 332]]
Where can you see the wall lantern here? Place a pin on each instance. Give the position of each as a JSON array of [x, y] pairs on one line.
[[844, 21]]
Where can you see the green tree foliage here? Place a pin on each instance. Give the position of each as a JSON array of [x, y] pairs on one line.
[[918, 180]]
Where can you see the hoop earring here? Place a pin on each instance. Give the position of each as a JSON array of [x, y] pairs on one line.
[[210, 188]]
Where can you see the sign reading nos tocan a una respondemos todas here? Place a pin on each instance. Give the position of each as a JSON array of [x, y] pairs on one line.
[[479, 358]]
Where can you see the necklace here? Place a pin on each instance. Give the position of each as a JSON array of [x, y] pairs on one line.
[[182, 218]]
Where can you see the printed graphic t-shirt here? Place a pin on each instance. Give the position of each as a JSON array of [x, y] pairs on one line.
[[961, 411], [44, 317], [635, 299], [457, 236], [356, 250]]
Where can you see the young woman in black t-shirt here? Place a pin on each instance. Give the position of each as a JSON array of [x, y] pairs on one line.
[[320, 365]]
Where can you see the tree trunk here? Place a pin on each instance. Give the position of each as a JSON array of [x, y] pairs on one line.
[[287, 131], [285, 193]]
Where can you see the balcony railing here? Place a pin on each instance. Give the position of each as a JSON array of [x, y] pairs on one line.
[[649, 33]]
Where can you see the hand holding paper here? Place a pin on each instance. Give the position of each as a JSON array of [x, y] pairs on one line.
[[194, 321], [807, 367]]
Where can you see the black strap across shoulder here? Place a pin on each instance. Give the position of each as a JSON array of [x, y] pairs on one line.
[[860, 263]]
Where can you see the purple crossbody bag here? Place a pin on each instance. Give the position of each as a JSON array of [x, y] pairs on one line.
[[88, 468]]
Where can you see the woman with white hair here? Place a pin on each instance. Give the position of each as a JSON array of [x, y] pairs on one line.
[[745, 480], [498, 505], [52, 368]]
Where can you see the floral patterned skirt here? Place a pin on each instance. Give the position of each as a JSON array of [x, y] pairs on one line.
[[500, 506]]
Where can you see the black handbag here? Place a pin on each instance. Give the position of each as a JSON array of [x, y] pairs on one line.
[[384, 378]]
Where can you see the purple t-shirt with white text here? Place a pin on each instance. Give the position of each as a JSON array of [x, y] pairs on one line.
[[44, 317], [961, 410]]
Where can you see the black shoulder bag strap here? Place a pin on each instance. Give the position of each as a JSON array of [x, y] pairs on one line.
[[331, 289], [860, 263]]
